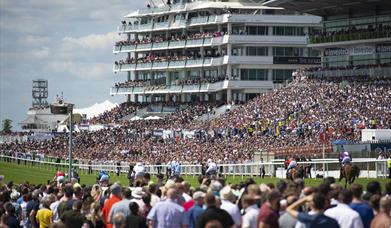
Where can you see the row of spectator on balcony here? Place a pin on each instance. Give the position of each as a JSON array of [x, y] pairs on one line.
[[352, 30], [174, 37], [190, 81], [163, 58], [349, 67]]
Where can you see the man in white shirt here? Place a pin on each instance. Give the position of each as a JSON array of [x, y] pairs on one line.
[[345, 216], [227, 198], [212, 168], [138, 170], [251, 212]]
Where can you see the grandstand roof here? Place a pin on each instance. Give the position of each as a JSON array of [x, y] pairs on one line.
[[330, 7]]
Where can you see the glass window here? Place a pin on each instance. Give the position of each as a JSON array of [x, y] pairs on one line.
[[281, 75], [251, 51], [252, 30]]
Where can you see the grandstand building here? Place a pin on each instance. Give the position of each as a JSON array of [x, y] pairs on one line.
[[220, 50], [355, 39]]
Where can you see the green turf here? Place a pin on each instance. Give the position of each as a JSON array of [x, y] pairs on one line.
[[40, 174]]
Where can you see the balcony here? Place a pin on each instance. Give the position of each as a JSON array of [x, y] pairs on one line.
[[161, 25], [255, 86], [350, 37], [144, 47], [372, 72]]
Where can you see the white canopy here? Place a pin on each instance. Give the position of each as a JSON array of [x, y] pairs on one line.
[[153, 118], [96, 109]]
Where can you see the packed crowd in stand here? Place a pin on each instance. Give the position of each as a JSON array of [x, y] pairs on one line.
[[161, 38], [116, 114], [189, 81], [175, 203], [149, 58], [380, 28], [294, 116]]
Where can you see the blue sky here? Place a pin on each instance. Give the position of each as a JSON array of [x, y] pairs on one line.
[[67, 42]]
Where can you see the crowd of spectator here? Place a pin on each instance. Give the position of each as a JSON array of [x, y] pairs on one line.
[[174, 37], [353, 30], [213, 202], [116, 114], [294, 116], [151, 57]]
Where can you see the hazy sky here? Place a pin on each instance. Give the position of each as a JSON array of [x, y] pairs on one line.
[[67, 42]]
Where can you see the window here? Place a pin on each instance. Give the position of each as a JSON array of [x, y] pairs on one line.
[[281, 75], [253, 74], [256, 51], [288, 31], [288, 51], [256, 30]]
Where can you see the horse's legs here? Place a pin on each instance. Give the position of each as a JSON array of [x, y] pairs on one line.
[[341, 175]]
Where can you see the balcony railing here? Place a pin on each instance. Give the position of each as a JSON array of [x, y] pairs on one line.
[[349, 37]]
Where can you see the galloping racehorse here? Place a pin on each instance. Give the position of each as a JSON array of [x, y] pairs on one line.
[[294, 173], [349, 172]]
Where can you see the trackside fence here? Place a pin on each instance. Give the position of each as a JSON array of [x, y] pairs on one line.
[[370, 167]]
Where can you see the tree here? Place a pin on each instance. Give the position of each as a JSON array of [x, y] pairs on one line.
[[7, 126]]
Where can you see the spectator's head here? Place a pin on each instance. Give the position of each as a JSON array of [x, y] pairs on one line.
[[146, 198], [172, 193], [374, 201], [116, 189], [227, 194], [119, 220], [374, 187], [248, 200], [319, 202], [345, 196], [210, 199], [68, 191], [356, 190], [274, 197], [385, 204], [76, 206], [126, 193], [388, 188], [133, 207], [198, 197]]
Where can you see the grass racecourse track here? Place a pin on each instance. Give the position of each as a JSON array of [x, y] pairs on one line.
[[42, 173]]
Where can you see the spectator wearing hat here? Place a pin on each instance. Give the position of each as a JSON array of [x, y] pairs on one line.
[[121, 206], [383, 218], [195, 211], [167, 214], [137, 195], [115, 197], [227, 203], [18, 209]]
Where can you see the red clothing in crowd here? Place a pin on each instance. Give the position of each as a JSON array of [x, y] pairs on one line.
[[107, 207]]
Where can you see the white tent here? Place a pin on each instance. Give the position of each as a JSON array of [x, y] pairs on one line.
[[96, 109], [135, 118], [153, 118]]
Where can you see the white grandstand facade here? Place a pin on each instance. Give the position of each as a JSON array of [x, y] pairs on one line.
[[220, 50], [355, 39]]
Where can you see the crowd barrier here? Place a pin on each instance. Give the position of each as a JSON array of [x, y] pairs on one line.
[[370, 167]]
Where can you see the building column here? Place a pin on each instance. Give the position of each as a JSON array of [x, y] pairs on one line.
[[183, 97], [229, 71], [167, 98], [270, 74], [229, 96], [136, 98], [229, 28]]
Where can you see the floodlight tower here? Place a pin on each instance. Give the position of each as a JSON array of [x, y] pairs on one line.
[[40, 93]]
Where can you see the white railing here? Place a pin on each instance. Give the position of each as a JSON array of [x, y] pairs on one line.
[[370, 167]]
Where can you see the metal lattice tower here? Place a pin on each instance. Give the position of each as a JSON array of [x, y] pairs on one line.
[[40, 93]]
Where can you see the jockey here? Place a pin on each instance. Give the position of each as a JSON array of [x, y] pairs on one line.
[[138, 170], [345, 158], [212, 167], [175, 169], [59, 176], [103, 176], [292, 164]]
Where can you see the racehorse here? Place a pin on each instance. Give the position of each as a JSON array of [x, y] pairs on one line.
[[294, 173], [349, 172]]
